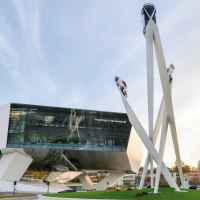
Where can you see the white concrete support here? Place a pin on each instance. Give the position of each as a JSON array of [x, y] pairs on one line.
[[4, 123], [13, 164], [108, 181], [70, 163], [86, 181]]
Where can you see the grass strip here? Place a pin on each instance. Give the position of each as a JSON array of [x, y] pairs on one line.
[[145, 194]]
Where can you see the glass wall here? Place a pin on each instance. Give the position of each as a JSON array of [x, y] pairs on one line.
[[33, 126]]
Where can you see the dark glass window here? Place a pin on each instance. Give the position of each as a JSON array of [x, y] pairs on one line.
[[33, 126]]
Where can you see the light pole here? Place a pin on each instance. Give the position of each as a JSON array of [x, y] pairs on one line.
[[48, 184], [14, 189]]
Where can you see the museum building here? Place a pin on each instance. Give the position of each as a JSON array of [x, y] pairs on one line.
[[98, 140]]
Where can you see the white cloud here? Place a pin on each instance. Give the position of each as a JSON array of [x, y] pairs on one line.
[[32, 57], [29, 17], [8, 56]]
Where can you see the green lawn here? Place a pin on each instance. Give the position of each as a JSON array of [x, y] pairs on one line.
[[165, 194]]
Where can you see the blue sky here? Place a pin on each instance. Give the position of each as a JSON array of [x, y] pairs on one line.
[[66, 53]]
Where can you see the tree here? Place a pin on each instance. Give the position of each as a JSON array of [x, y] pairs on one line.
[[185, 168]]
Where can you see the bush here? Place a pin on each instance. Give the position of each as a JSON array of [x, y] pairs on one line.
[[140, 194]]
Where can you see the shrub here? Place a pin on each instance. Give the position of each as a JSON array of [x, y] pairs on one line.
[[140, 194]]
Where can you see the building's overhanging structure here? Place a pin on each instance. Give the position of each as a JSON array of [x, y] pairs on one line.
[[96, 140]]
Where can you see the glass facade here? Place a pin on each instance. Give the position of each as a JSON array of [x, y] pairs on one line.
[[32, 126]]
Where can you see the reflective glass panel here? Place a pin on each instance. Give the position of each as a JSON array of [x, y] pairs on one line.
[[32, 126]]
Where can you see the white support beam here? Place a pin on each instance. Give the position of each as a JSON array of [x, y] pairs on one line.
[[158, 123], [108, 181], [150, 90], [167, 95], [147, 142], [161, 151]]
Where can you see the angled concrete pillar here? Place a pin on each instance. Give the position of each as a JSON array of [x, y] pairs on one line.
[[13, 164]]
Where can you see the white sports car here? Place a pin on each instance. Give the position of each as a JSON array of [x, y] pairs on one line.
[[170, 71], [122, 86]]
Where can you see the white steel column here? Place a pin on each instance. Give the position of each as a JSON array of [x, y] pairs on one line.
[[147, 142], [150, 23], [167, 97], [150, 90], [155, 136], [161, 151]]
